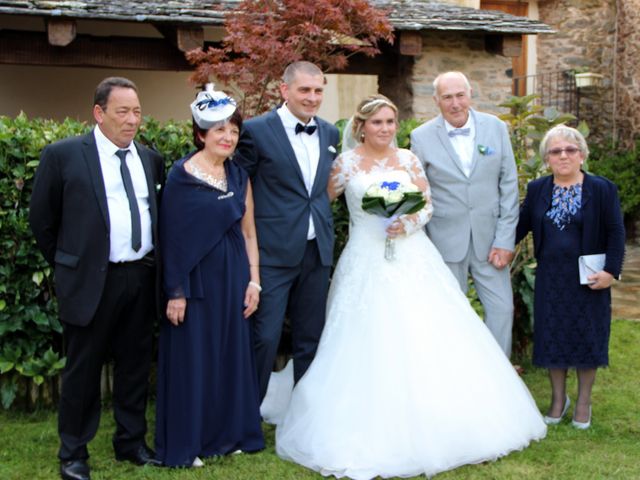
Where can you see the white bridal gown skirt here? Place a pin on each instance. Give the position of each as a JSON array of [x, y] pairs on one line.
[[407, 379]]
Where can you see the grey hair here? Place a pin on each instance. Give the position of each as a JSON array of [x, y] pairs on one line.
[[438, 79], [368, 108], [302, 66], [566, 133]]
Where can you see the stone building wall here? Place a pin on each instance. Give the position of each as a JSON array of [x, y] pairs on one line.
[[586, 40], [444, 51], [628, 72]]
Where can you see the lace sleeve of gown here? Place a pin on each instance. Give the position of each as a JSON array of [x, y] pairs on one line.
[[414, 222], [338, 176]]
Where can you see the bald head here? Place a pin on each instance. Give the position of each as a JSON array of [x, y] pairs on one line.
[[447, 77], [452, 94]]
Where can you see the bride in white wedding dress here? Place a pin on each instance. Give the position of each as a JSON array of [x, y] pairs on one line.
[[407, 379]]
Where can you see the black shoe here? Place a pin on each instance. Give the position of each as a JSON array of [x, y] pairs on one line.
[[74, 470], [141, 455]]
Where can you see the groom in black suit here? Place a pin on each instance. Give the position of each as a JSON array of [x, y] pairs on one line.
[[93, 212], [288, 153]]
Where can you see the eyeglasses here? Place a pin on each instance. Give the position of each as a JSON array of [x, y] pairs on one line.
[[568, 150]]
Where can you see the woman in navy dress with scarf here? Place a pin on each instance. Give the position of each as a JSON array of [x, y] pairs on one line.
[[208, 401], [571, 213]]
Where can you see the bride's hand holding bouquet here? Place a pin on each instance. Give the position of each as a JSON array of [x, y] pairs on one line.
[[391, 200]]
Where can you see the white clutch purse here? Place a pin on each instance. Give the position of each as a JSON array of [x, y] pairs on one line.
[[588, 265]]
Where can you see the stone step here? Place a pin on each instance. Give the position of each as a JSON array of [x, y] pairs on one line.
[[625, 295], [628, 313], [625, 302], [630, 276]]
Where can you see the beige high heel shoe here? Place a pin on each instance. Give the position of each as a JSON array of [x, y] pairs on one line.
[[556, 420]]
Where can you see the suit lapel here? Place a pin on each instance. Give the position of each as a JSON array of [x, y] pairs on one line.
[[480, 139], [92, 159], [446, 144], [324, 154], [286, 150]]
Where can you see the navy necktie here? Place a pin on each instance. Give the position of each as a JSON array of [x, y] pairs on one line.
[[305, 128], [459, 131], [136, 236]]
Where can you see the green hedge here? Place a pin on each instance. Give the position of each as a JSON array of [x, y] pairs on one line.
[[30, 333]]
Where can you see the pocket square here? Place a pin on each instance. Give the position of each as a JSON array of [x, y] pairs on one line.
[[588, 265]]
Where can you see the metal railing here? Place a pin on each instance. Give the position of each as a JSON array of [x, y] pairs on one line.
[[554, 89]]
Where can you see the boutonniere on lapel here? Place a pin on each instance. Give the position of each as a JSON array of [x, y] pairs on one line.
[[332, 149], [158, 187], [485, 150]]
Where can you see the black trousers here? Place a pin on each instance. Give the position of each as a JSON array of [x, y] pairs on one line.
[[121, 329]]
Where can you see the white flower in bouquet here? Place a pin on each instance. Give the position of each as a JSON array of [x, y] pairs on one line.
[[392, 199]]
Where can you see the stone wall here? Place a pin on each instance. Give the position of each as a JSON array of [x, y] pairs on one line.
[[586, 41], [463, 51], [628, 72]]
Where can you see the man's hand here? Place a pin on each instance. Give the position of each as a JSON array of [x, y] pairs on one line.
[[500, 258]]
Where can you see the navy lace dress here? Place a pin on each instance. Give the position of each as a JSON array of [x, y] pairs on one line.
[[572, 322]]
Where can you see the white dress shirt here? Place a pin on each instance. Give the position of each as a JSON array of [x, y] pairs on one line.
[[307, 150], [117, 202], [463, 144]]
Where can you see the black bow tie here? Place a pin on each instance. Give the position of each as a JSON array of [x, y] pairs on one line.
[[305, 128]]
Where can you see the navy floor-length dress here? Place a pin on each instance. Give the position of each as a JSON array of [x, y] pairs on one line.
[[207, 402]]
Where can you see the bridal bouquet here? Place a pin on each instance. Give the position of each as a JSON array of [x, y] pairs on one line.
[[390, 200]]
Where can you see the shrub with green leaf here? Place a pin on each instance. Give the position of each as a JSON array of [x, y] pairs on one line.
[[30, 340], [622, 167], [31, 354]]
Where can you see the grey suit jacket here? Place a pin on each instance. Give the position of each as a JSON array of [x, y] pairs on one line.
[[282, 203], [482, 207]]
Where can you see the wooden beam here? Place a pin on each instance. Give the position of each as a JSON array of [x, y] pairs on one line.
[[33, 48], [189, 38], [410, 43], [507, 45], [183, 38], [61, 31]]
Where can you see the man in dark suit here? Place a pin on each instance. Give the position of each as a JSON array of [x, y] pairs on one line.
[[93, 213], [288, 153]]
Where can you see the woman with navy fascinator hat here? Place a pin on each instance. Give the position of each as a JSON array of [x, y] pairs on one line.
[[208, 401]]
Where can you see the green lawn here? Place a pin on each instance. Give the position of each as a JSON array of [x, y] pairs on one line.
[[609, 450]]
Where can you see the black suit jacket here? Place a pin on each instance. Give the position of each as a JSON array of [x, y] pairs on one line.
[[602, 227], [70, 220], [282, 203]]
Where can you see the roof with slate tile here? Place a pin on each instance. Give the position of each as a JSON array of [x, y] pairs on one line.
[[403, 14]]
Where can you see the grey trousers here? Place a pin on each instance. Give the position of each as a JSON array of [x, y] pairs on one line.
[[494, 290]]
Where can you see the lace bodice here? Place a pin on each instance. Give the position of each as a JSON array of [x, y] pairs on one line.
[[353, 174]]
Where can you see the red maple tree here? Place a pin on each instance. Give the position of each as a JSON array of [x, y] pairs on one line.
[[264, 36]]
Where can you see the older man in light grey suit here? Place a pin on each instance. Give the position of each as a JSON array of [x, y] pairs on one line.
[[469, 162]]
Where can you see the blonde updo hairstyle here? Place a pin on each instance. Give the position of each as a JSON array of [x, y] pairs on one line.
[[368, 108]]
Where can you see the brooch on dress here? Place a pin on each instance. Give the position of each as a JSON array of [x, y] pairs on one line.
[[226, 195]]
